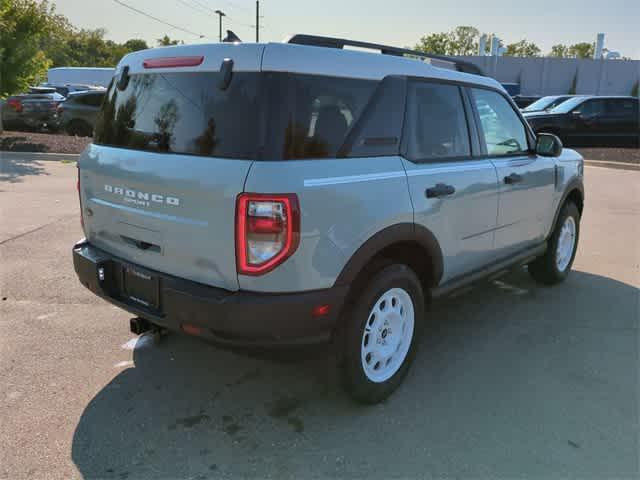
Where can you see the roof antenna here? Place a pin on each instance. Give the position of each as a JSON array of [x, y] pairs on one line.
[[231, 38]]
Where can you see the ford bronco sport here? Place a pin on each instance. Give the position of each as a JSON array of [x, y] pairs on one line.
[[279, 194]]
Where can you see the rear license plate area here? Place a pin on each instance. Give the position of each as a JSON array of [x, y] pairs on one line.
[[141, 288]]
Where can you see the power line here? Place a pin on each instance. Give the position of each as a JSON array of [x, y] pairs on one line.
[[192, 7], [158, 20], [232, 20], [235, 5], [203, 5]]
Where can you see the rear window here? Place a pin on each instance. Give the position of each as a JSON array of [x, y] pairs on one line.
[[182, 113], [271, 116]]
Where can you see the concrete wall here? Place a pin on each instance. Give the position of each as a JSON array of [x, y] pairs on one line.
[[554, 76]]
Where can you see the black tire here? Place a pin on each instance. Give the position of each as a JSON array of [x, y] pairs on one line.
[[356, 381], [545, 269]]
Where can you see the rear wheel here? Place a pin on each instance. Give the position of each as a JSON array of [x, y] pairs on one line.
[[554, 266], [383, 329]]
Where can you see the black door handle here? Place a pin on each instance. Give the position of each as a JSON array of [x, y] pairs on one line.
[[513, 178], [440, 190]]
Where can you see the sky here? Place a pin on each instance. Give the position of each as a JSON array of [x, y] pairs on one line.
[[400, 23]]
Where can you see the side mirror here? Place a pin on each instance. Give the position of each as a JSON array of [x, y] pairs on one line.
[[576, 113], [548, 145]]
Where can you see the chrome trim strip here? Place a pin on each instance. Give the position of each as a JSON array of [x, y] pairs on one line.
[[159, 216], [452, 168], [321, 182], [462, 167]]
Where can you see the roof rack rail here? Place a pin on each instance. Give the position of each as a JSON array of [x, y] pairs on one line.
[[340, 43]]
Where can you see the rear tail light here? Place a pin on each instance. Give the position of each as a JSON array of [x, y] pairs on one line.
[[267, 231], [15, 103]]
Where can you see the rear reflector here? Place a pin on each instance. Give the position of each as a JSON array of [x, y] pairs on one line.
[[321, 310], [191, 329], [80, 198], [170, 62]]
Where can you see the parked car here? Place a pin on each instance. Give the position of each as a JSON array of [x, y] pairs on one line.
[[523, 101], [592, 121], [78, 113], [67, 88], [547, 103], [32, 111], [80, 75], [286, 194]]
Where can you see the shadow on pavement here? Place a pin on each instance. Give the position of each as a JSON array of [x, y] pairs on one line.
[[20, 144], [13, 169], [511, 380]]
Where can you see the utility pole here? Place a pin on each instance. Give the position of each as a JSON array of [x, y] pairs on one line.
[[257, 21], [220, 14]]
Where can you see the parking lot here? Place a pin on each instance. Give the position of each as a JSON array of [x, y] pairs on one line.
[[512, 380]]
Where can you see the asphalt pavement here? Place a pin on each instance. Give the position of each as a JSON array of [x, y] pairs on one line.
[[512, 380]]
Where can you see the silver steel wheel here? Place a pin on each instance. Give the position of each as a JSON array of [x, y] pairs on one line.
[[566, 244], [387, 335]]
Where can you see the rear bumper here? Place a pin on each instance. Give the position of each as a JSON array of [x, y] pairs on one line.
[[232, 318]]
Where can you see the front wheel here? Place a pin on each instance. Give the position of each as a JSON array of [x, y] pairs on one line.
[[554, 266], [382, 333]]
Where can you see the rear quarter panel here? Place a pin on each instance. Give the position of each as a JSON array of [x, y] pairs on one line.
[[343, 202]]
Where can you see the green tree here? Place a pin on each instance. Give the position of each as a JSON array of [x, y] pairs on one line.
[[22, 62], [463, 41], [523, 49], [582, 50], [166, 41], [135, 44], [559, 51], [436, 43]]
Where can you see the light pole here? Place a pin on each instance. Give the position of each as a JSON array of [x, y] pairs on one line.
[[257, 21], [220, 14]]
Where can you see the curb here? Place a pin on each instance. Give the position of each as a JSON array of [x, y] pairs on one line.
[[615, 165], [41, 155]]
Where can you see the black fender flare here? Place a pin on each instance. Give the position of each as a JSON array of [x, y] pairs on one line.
[[398, 233], [574, 184]]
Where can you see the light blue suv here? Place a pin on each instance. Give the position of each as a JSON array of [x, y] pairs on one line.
[[279, 194]]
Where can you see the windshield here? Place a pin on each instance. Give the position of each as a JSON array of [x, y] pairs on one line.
[[272, 116], [567, 106], [546, 103], [541, 104]]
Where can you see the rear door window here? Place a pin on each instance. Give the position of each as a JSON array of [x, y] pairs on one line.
[[436, 125], [503, 131], [622, 108]]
